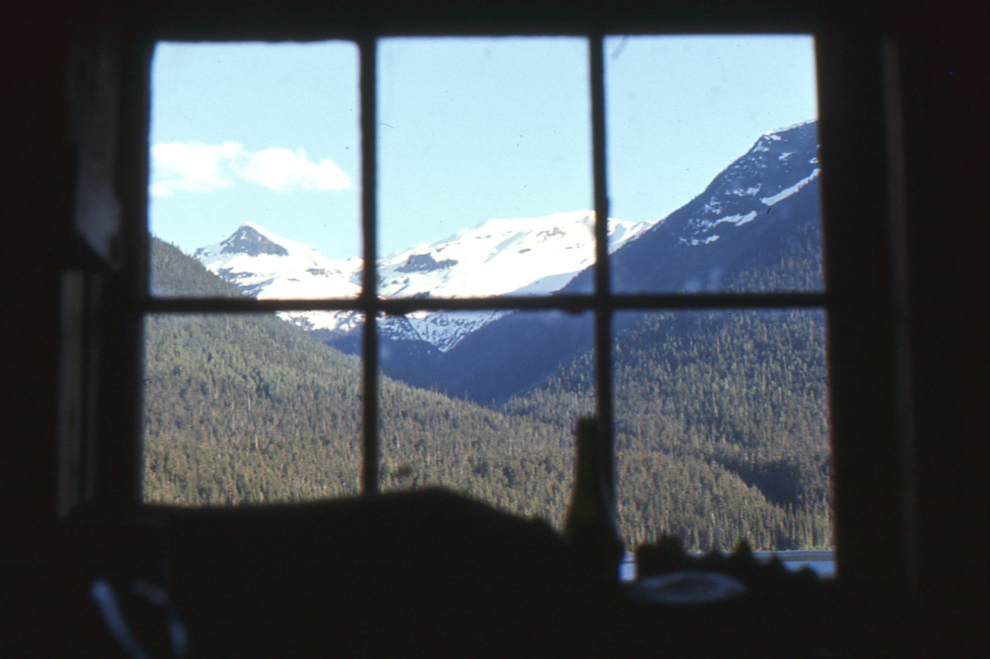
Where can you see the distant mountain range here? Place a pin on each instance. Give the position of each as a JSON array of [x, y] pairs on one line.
[[721, 420], [761, 214], [756, 227], [523, 256], [720, 417]]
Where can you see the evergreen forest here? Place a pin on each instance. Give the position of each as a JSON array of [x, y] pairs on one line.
[[721, 419]]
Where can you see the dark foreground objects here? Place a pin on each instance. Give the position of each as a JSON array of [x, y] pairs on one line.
[[427, 573], [729, 606], [421, 574]]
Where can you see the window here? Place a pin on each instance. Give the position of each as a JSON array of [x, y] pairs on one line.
[[862, 367], [483, 128]]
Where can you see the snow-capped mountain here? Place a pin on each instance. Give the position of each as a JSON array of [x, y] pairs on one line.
[[756, 202], [523, 256], [268, 266], [754, 184], [757, 227]]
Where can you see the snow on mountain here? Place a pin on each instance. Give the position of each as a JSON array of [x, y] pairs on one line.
[[761, 197], [787, 192], [756, 227], [755, 201], [759, 215], [523, 256], [267, 266], [758, 180]]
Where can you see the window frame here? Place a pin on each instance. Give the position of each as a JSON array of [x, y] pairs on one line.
[[602, 302], [859, 135]]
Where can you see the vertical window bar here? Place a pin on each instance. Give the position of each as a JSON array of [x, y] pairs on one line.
[[369, 291], [117, 460], [603, 313]]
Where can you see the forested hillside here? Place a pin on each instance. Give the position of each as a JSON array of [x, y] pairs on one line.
[[721, 427], [721, 421], [248, 408], [721, 417]]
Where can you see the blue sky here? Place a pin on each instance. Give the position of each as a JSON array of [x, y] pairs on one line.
[[469, 129]]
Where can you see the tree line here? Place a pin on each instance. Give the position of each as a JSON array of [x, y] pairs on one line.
[[721, 422]]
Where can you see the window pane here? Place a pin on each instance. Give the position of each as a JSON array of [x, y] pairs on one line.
[[713, 140], [484, 166], [247, 409], [255, 166], [470, 426], [721, 429]]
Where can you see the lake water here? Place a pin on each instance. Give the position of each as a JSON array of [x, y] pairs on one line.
[[822, 561]]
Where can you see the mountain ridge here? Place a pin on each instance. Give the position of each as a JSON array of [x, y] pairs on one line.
[[760, 208], [521, 256], [720, 428], [778, 248]]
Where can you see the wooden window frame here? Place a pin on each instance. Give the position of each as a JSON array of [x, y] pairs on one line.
[[863, 228]]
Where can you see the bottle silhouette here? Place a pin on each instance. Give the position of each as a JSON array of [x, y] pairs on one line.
[[590, 526]]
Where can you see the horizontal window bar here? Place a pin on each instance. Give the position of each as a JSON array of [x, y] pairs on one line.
[[574, 303], [321, 21]]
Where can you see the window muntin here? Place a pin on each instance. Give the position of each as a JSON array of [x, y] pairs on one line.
[[602, 301]]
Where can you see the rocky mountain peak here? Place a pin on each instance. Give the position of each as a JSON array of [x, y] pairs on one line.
[[249, 241]]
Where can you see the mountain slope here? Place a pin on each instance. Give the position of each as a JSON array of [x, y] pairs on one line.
[[755, 228], [523, 256], [264, 265], [756, 215], [246, 408], [744, 218], [743, 394], [250, 409]]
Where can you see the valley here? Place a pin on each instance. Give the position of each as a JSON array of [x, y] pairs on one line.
[[721, 417]]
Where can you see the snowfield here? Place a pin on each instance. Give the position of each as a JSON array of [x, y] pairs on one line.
[[522, 256]]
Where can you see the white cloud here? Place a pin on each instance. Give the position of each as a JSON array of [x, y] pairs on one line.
[[285, 171], [195, 167]]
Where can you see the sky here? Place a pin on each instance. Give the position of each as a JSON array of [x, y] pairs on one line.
[[469, 129]]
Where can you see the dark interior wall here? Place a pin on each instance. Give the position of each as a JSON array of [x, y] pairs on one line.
[[944, 64], [945, 93], [37, 174]]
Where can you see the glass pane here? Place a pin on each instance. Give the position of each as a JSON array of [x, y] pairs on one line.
[[247, 409], [472, 422], [713, 140], [722, 429], [484, 165], [255, 166]]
